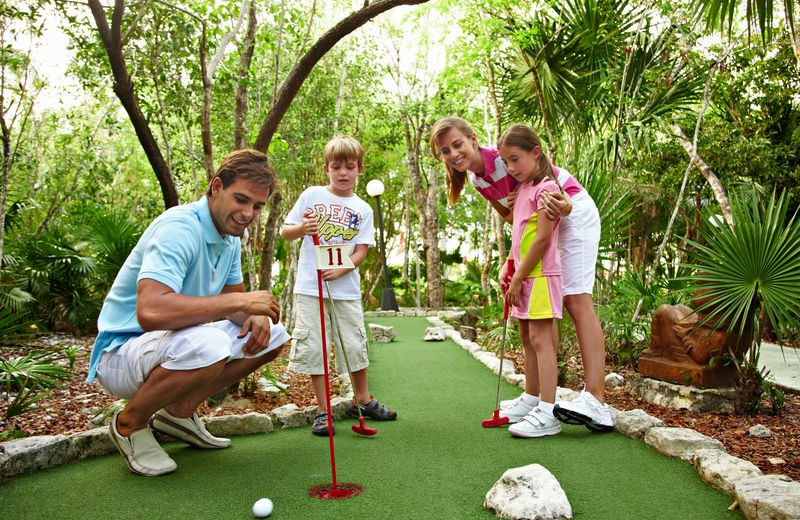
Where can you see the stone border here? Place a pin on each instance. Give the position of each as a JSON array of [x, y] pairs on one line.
[[44, 451], [760, 496]]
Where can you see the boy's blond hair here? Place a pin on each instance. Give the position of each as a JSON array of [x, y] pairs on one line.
[[344, 148]]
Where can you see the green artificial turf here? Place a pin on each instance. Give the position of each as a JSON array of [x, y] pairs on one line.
[[434, 462]]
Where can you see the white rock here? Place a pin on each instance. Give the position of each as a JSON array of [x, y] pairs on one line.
[[680, 442], [614, 380], [32, 453], [516, 379], [382, 333], [288, 416], [245, 424], [339, 406], [565, 394], [528, 493], [760, 431], [776, 461], [722, 470], [90, 443], [434, 334], [634, 423], [769, 497]]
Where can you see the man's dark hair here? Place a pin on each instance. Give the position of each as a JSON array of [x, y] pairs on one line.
[[249, 165]]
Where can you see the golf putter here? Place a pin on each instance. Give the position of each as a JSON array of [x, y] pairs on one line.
[[361, 428], [496, 420]]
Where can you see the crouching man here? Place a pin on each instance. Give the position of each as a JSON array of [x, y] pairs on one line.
[[177, 325]]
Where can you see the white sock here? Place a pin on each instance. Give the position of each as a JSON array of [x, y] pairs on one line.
[[546, 407], [529, 399]]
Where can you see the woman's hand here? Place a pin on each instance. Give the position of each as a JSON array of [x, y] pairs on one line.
[[555, 204]]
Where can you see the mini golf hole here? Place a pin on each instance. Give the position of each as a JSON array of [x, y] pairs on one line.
[[343, 490]]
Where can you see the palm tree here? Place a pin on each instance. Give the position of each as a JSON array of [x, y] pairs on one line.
[[748, 276]]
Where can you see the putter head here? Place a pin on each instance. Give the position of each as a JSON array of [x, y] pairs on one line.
[[495, 421], [362, 429]]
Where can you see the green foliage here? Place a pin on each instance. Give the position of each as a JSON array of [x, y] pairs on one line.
[[748, 275], [626, 339]]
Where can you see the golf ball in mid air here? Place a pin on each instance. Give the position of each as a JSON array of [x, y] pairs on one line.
[[262, 508]]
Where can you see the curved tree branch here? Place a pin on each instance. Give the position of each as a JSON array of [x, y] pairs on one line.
[[297, 76]]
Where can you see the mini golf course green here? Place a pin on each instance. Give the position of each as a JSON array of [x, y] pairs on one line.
[[434, 462]]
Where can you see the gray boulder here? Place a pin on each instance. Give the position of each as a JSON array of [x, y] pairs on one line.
[[528, 493], [90, 443], [245, 424], [760, 431], [288, 416], [680, 442], [31, 454], [634, 423], [382, 333], [722, 470], [769, 497], [434, 334]]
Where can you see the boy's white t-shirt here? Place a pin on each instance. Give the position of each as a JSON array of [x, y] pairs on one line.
[[342, 220]]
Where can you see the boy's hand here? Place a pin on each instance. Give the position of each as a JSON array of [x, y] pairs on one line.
[[309, 225], [514, 288], [329, 275]]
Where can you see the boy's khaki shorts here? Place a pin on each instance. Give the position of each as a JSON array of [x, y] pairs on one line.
[[306, 353]]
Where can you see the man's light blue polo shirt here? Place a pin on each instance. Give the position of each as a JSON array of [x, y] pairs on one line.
[[181, 249]]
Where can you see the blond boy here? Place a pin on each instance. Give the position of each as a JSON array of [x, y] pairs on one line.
[[338, 216]]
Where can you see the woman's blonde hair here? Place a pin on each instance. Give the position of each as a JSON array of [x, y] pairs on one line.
[[454, 180], [523, 136]]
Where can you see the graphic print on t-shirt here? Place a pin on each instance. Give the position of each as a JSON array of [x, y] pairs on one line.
[[337, 224]]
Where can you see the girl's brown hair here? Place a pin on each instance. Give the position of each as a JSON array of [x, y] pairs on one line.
[[523, 136], [453, 179]]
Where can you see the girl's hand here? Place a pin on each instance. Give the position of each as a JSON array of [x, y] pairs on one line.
[[514, 288], [503, 279], [555, 204]]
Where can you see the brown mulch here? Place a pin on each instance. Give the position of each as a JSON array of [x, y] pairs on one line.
[[71, 408]]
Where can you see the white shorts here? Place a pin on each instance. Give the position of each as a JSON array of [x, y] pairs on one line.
[[306, 353], [578, 243], [122, 371]]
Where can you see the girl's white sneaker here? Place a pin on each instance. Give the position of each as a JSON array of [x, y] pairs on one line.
[[537, 423]]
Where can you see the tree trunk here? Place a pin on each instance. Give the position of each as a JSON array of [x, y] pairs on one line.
[[545, 116], [487, 251], [123, 88], [270, 235], [708, 173], [300, 71], [245, 61], [6, 138], [435, 294]]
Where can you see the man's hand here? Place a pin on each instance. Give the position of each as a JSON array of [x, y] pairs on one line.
[[555, 204], [259, 329], [262, 303]]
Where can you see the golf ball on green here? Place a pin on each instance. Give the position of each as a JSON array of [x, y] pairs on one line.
[[262, 508]]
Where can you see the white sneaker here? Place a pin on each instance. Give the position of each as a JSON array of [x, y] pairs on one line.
[[141, 451], [191, 430], [510, 403], [537, 423], [585, 410], [516, 411]]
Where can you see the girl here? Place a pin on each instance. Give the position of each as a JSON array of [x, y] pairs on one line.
[[534, 291], [453, 142]]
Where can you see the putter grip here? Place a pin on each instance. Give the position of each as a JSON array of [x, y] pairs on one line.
[[509, 274]]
